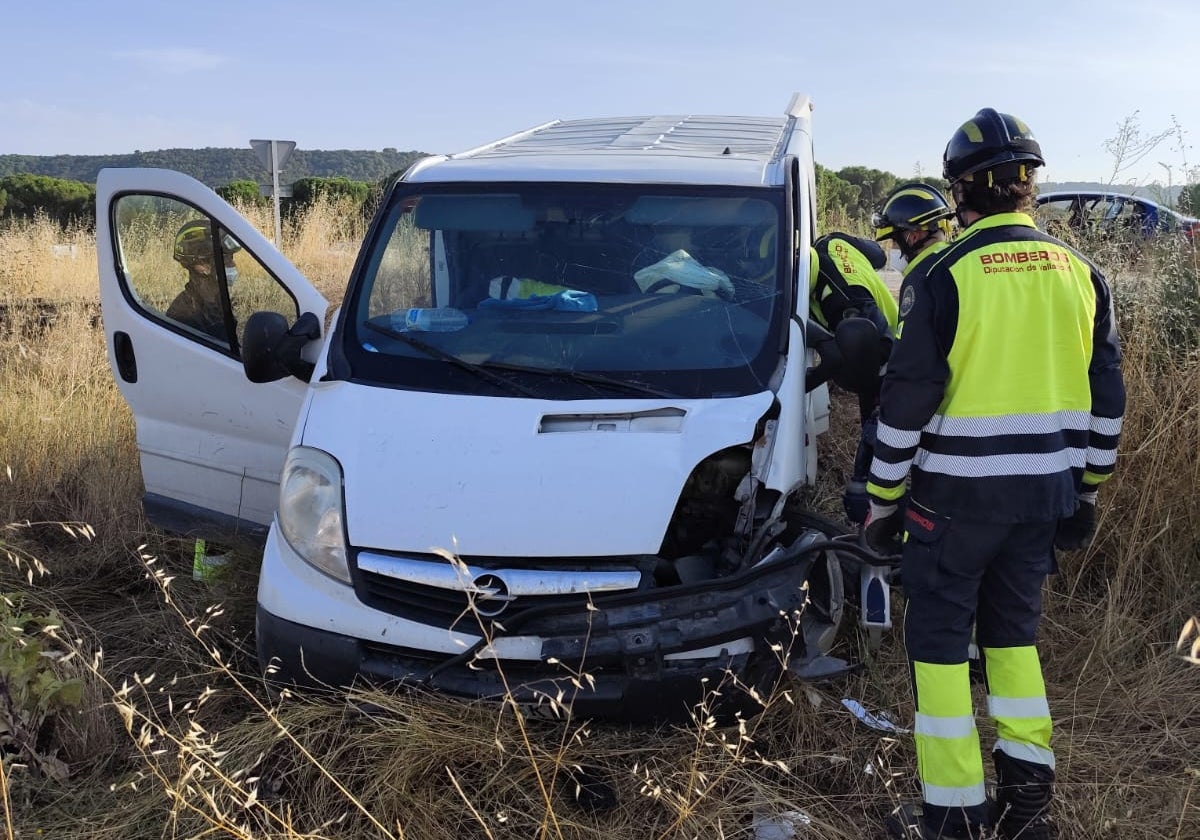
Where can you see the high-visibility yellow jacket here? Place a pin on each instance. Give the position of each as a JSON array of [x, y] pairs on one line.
[[842, 283], [1003, 394], [926, 253]]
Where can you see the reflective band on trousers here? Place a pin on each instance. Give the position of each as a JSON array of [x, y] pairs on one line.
[[954, 797], [1009, 424], [1018, 707], [987, 466], [944, 727], [897, 438], [1026, 752]]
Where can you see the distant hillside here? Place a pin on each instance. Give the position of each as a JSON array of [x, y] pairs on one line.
[[217, 167]]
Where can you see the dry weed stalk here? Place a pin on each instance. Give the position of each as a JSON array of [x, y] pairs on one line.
[[199, 747]]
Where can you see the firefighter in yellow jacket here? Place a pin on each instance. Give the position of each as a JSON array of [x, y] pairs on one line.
[[843, 283], [916, 218], [1000, 411]]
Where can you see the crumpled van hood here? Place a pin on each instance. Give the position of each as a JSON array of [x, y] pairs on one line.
[[509, 477]]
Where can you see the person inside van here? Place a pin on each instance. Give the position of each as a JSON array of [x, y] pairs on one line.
[[199, 304]]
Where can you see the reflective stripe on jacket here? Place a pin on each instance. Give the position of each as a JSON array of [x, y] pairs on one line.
[[1003, 392]]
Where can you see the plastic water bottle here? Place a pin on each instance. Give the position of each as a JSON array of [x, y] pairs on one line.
[[437, 319]]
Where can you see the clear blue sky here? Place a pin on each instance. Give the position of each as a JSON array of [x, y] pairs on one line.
[[890, 82]]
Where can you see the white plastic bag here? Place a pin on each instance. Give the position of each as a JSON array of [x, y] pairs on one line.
[[682, 269]]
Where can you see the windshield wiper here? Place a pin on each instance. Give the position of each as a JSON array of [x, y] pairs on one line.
[[438, 353], [583, 377]]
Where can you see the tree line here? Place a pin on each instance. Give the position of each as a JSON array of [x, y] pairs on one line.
[[845, 198], [218, 167], [68, 202]]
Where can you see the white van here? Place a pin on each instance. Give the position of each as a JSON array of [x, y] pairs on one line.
[[573, 359]]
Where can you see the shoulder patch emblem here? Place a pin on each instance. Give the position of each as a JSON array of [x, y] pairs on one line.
[[907, 299]]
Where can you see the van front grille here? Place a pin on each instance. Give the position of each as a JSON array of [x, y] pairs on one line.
[[427, 589]]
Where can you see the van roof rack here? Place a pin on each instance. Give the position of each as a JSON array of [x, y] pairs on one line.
[[691, 148]]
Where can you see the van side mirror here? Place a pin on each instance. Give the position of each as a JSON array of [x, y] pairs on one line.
[[863, 352], [271, 350], [850, 356]]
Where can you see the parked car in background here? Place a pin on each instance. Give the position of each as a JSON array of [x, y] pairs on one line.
[[1110, 214]]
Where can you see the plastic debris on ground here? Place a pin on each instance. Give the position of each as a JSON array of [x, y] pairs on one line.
[[784, 825], [878, 721], [820, 668]]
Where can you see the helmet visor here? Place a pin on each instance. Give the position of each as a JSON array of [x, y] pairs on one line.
[[229, 244], [884, 229]]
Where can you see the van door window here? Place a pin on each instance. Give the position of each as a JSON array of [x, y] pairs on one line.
[[183, 269]]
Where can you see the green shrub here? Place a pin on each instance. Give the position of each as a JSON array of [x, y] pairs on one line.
[[242, 193], [66, 202], [1156, 287], [837, 201], [873, 187], [307, 190], [32, 689]]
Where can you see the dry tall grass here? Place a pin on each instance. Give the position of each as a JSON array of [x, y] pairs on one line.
[[42, 261], [166, 744]]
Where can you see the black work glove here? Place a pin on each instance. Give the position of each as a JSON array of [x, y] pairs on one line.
[[1075, 532], [882, 528], [856, 502]]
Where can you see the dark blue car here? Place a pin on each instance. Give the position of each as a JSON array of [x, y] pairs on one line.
[[1111, 214]]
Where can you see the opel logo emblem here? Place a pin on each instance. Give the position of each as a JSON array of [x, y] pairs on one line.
[[490, 595]]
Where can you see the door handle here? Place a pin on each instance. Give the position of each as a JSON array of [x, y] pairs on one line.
[[123, 353]]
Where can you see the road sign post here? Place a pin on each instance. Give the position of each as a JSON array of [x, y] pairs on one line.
[[274, 155]]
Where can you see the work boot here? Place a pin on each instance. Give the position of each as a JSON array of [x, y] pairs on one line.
[[1023, 793], [908, 822]]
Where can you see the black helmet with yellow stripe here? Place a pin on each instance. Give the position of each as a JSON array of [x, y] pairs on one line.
[[912, 206], [193, 242], [999, 144]]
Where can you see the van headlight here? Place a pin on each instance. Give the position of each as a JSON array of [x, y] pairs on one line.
[[311, 512]]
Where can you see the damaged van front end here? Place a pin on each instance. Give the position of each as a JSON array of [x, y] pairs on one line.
[[628, 564]]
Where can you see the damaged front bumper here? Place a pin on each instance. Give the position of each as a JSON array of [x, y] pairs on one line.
[[645, 655]]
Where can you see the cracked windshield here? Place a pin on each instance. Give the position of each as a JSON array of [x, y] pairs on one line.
[[572, 292]]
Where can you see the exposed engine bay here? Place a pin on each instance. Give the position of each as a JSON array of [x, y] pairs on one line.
[[725, 523]]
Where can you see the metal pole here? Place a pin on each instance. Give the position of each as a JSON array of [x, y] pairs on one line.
[[275, 194]]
